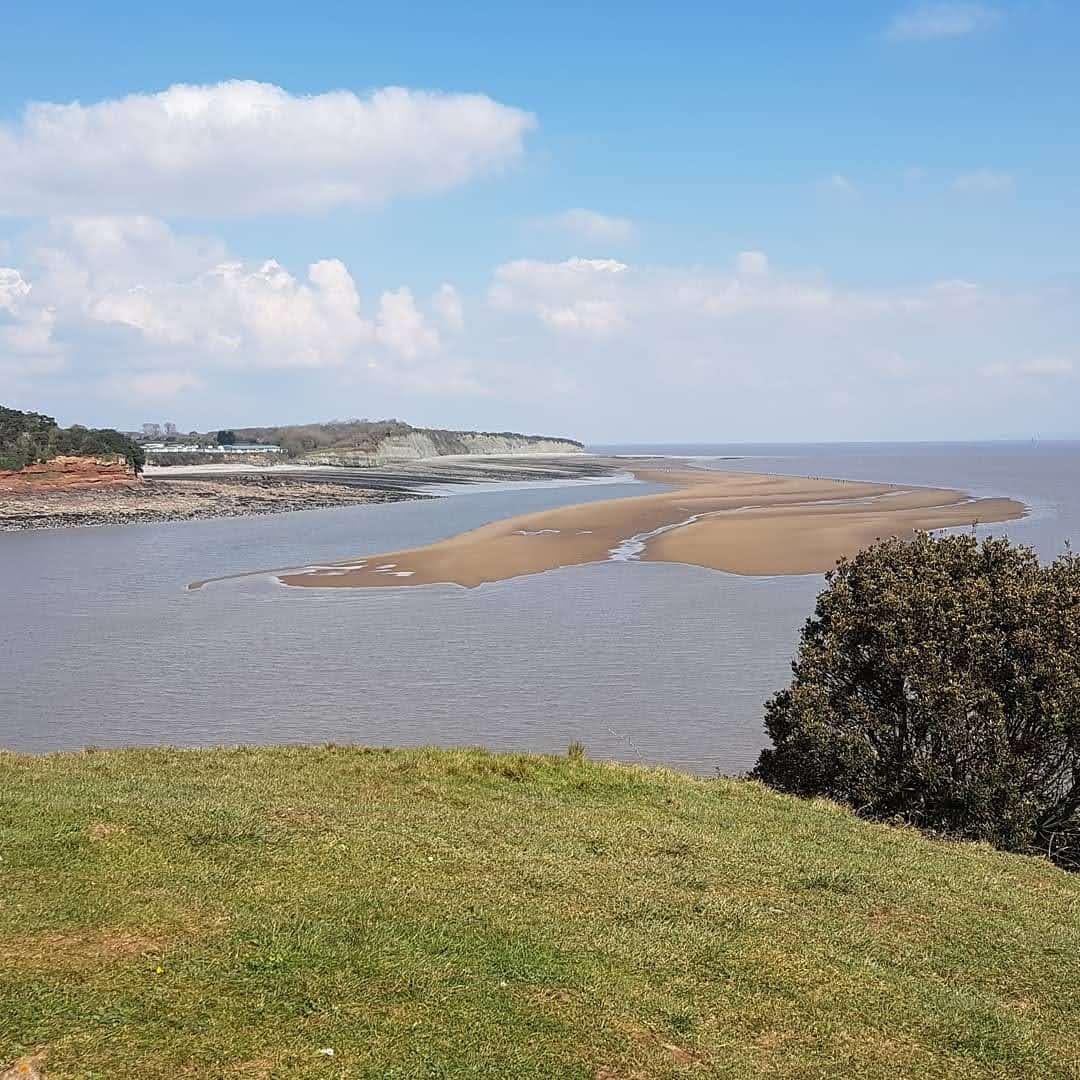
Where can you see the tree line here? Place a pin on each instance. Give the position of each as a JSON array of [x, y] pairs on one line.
[[29, 438]]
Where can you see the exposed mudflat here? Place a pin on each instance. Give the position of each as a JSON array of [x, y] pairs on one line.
[[743, 523]]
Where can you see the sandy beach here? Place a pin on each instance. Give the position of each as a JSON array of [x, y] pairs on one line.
[[743, 523]]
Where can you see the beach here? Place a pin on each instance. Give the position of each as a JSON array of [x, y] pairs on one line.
[[742, 523]]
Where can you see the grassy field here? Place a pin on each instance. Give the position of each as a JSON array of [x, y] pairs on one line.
[[243, 913]]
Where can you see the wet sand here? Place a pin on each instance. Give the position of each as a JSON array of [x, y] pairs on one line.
[[744, 523]]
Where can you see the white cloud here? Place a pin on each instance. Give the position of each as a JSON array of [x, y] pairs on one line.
[[605, 295], [247, 316], [576, 295], [401, 326], [241, 148], [158, 327], [448, 304], [566, 276], [584, 316], [751, 264], [593, 226], [13, 289], [1046, 367], [750, 353], [930, 21], [119, 311], [26, 329], [151, 386], [984, 181]]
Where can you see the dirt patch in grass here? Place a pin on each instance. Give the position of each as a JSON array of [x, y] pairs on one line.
[[74, 949], [31, 1067], [102, 830]]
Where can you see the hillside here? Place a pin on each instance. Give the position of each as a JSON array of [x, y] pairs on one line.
[[329, 912], [363, 442]]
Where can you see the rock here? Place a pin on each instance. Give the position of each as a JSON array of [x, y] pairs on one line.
[[26, 1068], [67, 474]]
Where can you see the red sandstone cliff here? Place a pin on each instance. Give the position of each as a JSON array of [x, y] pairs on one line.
[[66, 473]]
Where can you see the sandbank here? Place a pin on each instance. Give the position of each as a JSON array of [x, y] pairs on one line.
[[743, 523]]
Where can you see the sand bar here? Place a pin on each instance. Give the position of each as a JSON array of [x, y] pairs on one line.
[[744, 523]]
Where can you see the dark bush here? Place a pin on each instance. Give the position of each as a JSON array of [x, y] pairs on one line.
[[938, 682]]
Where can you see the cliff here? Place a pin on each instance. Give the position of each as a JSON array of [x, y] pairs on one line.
[[420, 443], [67, 473]]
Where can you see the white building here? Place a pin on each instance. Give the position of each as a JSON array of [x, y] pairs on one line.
[[195, 448]]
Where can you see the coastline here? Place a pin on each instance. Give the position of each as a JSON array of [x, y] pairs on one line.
[[193, 493], [751, 524], [156, 501]]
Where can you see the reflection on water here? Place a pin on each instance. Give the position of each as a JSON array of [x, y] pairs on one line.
[[101, 643]]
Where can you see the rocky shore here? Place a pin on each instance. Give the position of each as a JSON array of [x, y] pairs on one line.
[[189, 494], [67, 473], [157, 500]]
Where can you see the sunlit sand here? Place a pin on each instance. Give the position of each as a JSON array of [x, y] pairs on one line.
[[743, 523]]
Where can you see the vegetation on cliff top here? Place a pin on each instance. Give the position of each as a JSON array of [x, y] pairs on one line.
[[363, 436], [28, 438], [290, 912]]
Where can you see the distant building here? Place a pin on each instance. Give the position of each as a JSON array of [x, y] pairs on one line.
[[151, 431], [170, 428], [197, 448]]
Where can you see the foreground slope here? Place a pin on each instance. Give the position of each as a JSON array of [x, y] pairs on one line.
[[422, 913]]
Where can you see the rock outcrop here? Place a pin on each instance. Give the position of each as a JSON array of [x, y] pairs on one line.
[[67, 474], [419, 444]]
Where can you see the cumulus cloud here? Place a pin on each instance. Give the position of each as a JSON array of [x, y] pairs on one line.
[[930, 21], [751, 264], [603, 295], [401, 326], [247, 316], [448, 304], [126, 311], [759, 351], [593, 226], [241, 148], [13, 289], [159, 313], [26, 329], [576, 295], [984, 181]]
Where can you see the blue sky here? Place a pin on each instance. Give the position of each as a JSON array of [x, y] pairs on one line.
[[908, 174]]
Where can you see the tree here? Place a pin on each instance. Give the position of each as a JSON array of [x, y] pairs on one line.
[[226, 438], [938, 682], [29, 438], [24, 438]]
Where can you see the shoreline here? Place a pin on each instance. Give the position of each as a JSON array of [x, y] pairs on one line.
[[200, 493], [752, 524], [155, 502]]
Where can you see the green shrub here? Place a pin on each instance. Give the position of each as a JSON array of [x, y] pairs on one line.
[[938, 682]]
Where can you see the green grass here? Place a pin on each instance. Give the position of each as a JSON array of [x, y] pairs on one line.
[[230, 913]]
